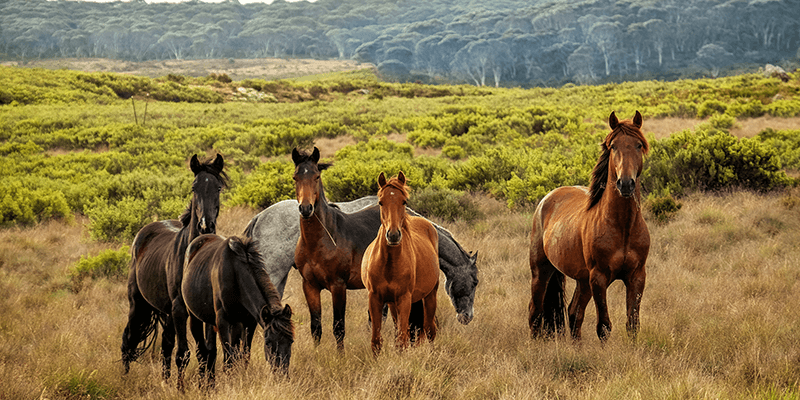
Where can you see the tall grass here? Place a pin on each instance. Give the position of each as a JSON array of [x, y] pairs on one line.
[[719, 319]]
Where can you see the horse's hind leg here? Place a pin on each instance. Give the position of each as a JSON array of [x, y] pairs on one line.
[[167, 345], [541, 272], [634, 286], [198, 333], [430, 314], [141, 320], [211, 346], [180, 316], [577, 307]]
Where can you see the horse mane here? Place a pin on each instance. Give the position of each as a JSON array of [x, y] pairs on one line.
[[206, 166], [600, 171]]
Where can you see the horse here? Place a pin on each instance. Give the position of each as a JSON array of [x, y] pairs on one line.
[[226, 286], [401, 266], [331, 244], [158, 248], [594, 235], [277, 230]]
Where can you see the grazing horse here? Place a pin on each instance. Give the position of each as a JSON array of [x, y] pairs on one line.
[[277, 230], [594, 235], [331, 244], [158, 248], [225, 285], [401, 266]]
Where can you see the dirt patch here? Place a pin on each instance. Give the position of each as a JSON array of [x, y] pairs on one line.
[[237, 69]]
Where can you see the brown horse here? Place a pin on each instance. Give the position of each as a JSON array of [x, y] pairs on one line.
[[225, 285], [401, 266], [158, 248], [592, 235], [331, 245]]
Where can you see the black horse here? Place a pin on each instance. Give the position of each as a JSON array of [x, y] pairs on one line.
[[159, 247], [226, 286]]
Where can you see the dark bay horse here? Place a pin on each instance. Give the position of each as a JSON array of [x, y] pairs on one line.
[[331, 245], [277, 230], [594, 235], [226, 286], [157, 248], [401, 266]]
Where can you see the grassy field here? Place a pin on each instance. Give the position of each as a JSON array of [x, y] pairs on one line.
[[719, 320]]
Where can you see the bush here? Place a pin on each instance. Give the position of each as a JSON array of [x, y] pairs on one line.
[[118, 221], [663, 208], [23, 205], [447, 204], [268, 184], [107, 264]]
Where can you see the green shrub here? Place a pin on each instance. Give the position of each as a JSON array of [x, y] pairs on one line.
[[107, 264], [268, 184], [785, 143], [117, 221], [711, 107], [711, 159], [24, 205], [446, 204], [663, 208]]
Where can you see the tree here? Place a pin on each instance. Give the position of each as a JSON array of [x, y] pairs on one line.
[[713, 57], [606, 35]]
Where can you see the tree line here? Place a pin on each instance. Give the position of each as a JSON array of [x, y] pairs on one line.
[[499, 43]]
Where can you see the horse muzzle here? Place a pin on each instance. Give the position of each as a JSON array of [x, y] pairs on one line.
[[393, 237], [306, 210], [465, 318], [626, 187]]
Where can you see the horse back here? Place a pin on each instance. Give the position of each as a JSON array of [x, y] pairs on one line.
[[150, 253], [197, 285]]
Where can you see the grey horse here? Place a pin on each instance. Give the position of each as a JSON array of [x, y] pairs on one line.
[[277, 229]]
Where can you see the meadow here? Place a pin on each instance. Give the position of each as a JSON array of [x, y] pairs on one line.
[[719, 313]]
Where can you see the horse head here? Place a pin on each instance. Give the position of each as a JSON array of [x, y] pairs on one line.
[[462, 292], [392, 198], [209, 179], [307, 183], [278, 336], [627, 148]]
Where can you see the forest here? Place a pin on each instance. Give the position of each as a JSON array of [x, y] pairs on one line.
[[500, 43]]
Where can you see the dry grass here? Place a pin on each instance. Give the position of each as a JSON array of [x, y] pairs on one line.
[[719, 320]]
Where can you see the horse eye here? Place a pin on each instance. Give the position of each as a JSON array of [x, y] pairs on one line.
[[639, 146]]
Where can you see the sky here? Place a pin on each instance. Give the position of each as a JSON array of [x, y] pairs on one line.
[[204, 1]]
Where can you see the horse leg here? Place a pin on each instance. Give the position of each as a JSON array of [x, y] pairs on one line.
[[577, 307], [403, 307], [430, 313], [599, 282], [634, 286], [141, 319], [339, 297], [249, 330], [179, 317], [225, 336], [197, 328], [375, 314], [416, 320], [167, 345], [211, 346], [315, 309], [540, 275], [237, 335]]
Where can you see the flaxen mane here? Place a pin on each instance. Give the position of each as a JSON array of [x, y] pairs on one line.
[[600, 171]]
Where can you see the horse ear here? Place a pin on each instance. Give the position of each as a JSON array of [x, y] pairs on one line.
[[287, 311], [296, 157], [637, 119], [194, 164], [474, 256], [381, 180], [266, 316], [401, 177], [613, 122], [315, 155], [219, 163]]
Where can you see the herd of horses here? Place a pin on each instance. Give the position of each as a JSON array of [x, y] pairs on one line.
[[182, 273]]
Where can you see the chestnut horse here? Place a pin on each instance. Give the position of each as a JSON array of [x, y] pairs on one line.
[[157, 249], [226, 286], [401, 266], [594, 235], [331, 245]]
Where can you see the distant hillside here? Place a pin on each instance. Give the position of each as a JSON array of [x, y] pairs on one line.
[[500, 43]]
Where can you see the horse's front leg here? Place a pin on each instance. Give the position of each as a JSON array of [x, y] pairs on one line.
[[376, 317], [167, 345], [429, 303], [339, 297], [403, 307], [577, 307], [599, 282], [179, 317], [314, 308], [634, 286]]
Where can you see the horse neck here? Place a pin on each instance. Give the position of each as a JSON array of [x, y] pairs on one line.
[[622, 211]]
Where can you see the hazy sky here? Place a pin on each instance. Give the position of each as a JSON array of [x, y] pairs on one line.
[[204, 1]]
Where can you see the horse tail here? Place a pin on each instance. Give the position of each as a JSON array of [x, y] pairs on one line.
[[142, 329], [554, 308]]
